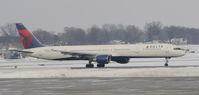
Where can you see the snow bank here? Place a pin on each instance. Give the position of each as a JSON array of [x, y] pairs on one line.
[[71, 73]]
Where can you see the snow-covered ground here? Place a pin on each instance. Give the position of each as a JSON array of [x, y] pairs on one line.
[[186, 66]]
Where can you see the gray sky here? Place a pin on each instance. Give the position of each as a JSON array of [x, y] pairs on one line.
[[54, 15]]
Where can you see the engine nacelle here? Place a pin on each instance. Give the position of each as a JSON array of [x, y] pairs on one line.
[[121, 60], [103, 59]]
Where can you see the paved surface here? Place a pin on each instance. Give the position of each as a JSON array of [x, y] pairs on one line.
[[131, 67], [101, 86]]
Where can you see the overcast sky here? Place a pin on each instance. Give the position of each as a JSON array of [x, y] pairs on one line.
[[54, 15]]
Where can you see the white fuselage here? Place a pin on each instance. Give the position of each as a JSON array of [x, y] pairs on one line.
[[131, 51]]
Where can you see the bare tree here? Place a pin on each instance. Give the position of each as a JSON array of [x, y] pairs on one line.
[[74, 36], [8, 30], [153, 30], [45, 37]]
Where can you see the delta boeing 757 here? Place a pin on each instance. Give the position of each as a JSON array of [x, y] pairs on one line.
[[101, 54]]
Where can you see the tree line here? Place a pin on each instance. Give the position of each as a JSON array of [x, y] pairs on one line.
[[109, 32]]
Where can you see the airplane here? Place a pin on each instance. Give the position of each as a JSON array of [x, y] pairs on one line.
[[101, 54]]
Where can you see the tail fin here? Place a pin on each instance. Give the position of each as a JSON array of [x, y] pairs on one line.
[[27, 38]]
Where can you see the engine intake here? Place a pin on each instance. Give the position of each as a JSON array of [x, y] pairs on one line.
[[103, 59]]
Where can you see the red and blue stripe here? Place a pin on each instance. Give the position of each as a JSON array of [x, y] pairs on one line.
[[27, 38]]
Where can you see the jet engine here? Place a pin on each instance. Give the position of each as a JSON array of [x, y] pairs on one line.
[[103, 59]]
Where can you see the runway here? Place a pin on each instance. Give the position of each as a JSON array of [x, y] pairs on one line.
[[101, 86]]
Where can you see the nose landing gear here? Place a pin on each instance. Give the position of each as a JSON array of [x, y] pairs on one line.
[[167, 61]]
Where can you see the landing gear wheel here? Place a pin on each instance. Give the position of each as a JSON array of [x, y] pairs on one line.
[[167, 61], [89, 65], [100, 65], [166, 64]]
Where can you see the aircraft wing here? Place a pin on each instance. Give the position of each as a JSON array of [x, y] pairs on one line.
[[21, 51], [84, 55], [24, 51]]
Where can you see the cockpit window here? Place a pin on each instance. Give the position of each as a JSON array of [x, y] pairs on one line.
[[177, 48]]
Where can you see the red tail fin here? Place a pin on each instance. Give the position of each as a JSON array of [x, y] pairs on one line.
[[27, 38]]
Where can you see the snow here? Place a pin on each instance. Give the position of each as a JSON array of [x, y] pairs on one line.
[[186, 66]]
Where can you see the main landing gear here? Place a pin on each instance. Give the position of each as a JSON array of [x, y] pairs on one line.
[[167, 61], [100, 65], [90, 65]]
